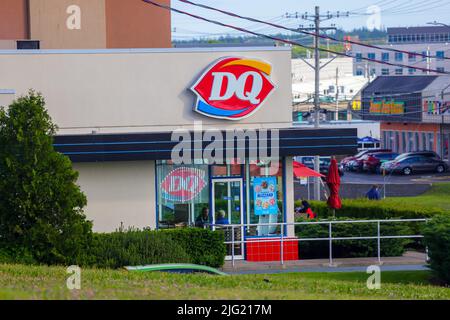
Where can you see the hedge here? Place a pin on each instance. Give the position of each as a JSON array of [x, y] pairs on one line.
[[351, 248], [203, 246], [135, 247], [437, 238], [364, 208]]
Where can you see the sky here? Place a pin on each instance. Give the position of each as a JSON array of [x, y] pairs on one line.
[[392, 13]]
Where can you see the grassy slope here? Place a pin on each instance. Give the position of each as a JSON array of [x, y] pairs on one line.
[[35, 282], [437, 196]]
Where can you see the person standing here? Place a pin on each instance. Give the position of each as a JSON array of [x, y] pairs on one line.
[[373, 193], [203, 218]]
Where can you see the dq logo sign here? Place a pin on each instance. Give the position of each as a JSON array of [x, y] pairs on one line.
[[183, 184], [233, 88]]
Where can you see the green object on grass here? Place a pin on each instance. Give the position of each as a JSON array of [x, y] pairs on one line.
[[176, 267]]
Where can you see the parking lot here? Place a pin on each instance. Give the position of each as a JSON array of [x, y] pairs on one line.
[[355, 185], [369, 178]]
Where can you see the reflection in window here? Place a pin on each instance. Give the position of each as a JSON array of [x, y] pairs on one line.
[[183, 191]]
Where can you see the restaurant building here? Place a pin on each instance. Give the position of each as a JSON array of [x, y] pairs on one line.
[[127, 117]]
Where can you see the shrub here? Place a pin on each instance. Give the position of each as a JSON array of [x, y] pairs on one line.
[[132, 247], [204, 246], [437, 238], [352, 248], [135, 247], [41, 206], [364, 208]]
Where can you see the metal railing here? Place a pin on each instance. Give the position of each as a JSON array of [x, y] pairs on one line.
[[281, 237]]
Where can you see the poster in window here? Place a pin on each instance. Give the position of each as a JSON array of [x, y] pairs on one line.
[[265, 192]]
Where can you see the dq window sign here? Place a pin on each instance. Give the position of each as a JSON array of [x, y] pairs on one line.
[[233, 88]]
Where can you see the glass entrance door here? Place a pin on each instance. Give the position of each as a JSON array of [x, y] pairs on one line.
[[228, 208]]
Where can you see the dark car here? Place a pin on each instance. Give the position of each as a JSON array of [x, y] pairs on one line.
[[346, 160], [415, 164], [372, 162], [324, 164]]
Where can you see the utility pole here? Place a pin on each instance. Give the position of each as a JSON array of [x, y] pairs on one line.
[[336, 117], [317, 18]]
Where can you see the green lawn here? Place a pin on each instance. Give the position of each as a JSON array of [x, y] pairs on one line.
[[38, 282], [438, 196]]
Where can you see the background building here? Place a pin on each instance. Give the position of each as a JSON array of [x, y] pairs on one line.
[[338, 87], [83, 24], [414, 112], [430, 41]]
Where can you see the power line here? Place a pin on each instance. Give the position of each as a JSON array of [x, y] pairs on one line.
[[289, 41], [305, 32]]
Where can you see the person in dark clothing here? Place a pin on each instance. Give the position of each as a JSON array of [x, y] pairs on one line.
[[203, 218], [373, 193], [306, 208]]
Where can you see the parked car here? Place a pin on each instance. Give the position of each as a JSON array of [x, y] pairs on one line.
[[415, 164], [428, 154], [324, 164], [347, 160], [372, 162]]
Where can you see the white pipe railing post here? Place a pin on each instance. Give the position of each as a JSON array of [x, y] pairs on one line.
[[282, 246], [232, 245], [379, 242], [331, 244]]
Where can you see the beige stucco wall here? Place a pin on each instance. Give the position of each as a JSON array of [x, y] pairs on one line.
[[119, 192], [138, 90], [48, 24]]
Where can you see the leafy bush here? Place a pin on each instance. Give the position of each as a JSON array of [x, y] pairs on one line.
[[135, 247], [437, 238], [363, 208], [205, 247], [41, 206], [351, 248], [119, 249]]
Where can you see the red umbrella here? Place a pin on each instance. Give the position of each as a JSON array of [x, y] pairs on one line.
[[302, 171], [334, 182]]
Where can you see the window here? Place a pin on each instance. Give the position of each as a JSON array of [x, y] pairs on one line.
[[371, 55], [397, 142], [359, 72], [440, 55], [424, 55], [411, 70], [430, 142], [404, 142], [424, 141], [440, 69], [385, 72], [385, 56], [183, 191], [410, 144], [412, 56], [398, 56], [358, 57], [399, 71], [28, 45], [272, 169]]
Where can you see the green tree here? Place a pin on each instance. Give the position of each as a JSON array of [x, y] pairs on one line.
[[41, 206]]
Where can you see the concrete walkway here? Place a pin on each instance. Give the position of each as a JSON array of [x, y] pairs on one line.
[[411, 260]]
